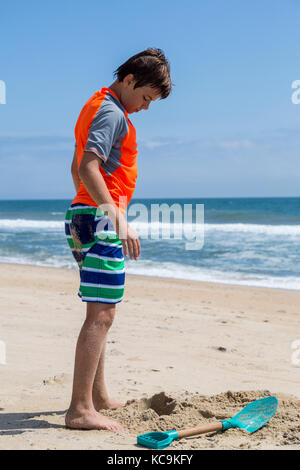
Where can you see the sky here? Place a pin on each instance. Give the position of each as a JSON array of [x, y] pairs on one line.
[[229, 128]]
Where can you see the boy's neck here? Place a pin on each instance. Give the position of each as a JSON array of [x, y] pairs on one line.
[[116, 88]]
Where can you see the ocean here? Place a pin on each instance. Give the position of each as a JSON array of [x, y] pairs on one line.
[[247, 241]]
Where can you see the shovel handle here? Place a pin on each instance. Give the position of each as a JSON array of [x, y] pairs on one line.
[[200, 429]]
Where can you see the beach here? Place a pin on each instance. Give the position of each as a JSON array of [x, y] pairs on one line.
[[200, 350], [112, 178]]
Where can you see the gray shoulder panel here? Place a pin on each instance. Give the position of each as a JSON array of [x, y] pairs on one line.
[[107, 130]]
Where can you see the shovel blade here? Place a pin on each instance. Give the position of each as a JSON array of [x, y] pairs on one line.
[[256, 414]]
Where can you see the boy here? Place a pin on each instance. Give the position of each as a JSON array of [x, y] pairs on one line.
[[104, 171]]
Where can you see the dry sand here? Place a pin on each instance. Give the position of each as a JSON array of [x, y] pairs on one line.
[[179, 354]]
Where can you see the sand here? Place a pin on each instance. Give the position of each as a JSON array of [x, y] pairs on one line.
[[179, 354]]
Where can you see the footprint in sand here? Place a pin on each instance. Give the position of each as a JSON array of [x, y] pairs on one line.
[[116, 352], [57, 379]]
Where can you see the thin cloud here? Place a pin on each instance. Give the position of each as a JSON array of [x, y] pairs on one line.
[[235, 144]]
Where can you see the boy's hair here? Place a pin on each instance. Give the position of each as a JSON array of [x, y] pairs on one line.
[[149, 68]]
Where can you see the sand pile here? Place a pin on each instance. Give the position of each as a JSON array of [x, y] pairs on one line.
[[46, 430], [161, 413]]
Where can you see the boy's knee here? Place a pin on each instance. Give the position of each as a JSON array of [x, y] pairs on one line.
[[102, 315], [106, 319]]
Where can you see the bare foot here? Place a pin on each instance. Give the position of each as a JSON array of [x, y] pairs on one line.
[[91, 420], [107, 404]]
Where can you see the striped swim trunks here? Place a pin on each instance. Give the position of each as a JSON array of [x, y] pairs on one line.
[[98, 252]]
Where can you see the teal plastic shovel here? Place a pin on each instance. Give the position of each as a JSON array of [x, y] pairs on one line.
[[251, 418]]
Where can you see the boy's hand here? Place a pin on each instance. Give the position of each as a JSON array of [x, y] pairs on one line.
[[129, 239]]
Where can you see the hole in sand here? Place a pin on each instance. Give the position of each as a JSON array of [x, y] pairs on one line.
[[160, 403]]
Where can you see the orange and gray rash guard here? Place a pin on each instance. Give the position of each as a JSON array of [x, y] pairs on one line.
[[103, 127]]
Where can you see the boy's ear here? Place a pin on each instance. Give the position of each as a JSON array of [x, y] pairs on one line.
[[129, 80]]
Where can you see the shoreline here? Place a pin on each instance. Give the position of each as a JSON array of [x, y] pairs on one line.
[[246, 286]]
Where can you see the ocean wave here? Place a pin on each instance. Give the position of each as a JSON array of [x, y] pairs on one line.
[[255, 228], [172, 271], [144, 228], [51, 262], [25, 224], [191, 273]]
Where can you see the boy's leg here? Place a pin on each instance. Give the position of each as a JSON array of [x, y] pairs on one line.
[[82, 413], [101, 399]]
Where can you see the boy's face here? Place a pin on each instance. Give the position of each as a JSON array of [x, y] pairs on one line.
[[136, 99]]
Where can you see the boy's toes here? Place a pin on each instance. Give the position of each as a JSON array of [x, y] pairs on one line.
[[91, 420]]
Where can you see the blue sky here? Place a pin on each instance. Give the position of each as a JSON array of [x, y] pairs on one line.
[[229, 129]]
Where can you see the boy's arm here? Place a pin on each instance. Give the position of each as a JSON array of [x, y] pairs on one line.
[[74, 171], [95, 185], [93, 180]]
